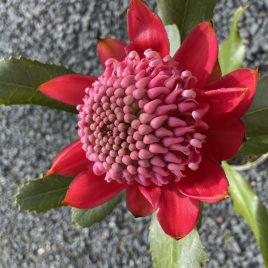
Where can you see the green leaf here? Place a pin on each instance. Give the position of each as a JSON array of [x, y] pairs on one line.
[[186, 14], [247, 204], [43, 194], [174, 38], [256, 119], [232, 50], [255, 146], [87, 217], [170, 253], [20, 77]]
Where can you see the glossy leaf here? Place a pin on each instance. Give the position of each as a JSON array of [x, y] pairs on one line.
[[168, 252], [20, 77], [43, 194], [186, 14], [174, 38], [87, 217], [232, 50], [255, 146], [256, 119], [247, 204]]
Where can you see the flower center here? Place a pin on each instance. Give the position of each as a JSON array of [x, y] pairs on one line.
[[141, 121]]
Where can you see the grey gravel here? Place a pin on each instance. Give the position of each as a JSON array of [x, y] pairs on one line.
[[65, 32]]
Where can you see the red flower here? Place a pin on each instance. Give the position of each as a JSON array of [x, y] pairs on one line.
[[153, 125]]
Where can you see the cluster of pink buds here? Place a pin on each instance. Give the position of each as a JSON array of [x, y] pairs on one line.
[[141, 120]]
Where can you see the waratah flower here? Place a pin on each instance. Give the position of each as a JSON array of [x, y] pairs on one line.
[[153, 125]]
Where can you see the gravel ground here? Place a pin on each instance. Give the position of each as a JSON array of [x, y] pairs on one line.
[[65, 32]]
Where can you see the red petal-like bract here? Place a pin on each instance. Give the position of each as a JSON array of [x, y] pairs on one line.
[[88, 190], [178, 214], [224, 142], [198, 53], [224, 100], [152, 194], [70, 161], [111, 48], [145, 30], [209, 184], [243, 78], [69, 89], [223, 104], [137, 204], [216, 73]]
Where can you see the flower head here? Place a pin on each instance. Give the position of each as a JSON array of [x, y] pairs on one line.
[[154, 125], [128, 123]]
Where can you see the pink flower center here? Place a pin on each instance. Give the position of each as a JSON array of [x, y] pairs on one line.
[[141, 121]]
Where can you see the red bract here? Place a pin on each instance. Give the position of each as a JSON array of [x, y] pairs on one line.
[[154, 125]]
